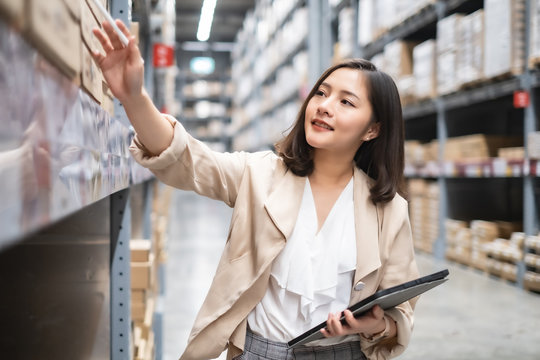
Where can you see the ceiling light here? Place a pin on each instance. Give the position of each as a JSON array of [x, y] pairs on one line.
[[205, 22]]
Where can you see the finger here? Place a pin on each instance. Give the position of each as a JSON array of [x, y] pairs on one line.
[[123, 28], [103, 39], [350, 319], [98, 57], [377, 312], [113, 37]]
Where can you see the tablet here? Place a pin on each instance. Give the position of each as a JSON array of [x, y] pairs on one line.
[[386, 299]]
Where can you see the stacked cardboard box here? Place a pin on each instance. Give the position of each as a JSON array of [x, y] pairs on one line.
[[503, 256], [532, 261], [504, 37], [482, 232], [61, 31], [470, 50], [534, 31], [143, 295], [458, 241], [533, 145], [398, 63], [425, 70], [447, 46], [511, 153], [424, 210], [477, 146]]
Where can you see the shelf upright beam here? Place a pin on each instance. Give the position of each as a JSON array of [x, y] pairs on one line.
[[439, 246], [120, 236], [530, 210], [120, 276], [121, 9], [319, 38]]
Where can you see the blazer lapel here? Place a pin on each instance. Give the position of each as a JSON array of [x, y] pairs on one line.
[[283, 202], [366, 227]]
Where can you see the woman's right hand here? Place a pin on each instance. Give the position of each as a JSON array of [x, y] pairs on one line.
[[122, 67]]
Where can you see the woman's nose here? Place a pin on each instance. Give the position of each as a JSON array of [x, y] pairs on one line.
[[326, 106]]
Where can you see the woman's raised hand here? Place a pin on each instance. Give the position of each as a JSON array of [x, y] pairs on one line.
[[122, 67]]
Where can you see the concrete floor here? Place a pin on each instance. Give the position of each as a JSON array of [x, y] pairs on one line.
[[472, 316]]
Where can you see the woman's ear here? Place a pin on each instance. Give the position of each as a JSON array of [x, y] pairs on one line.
[[373, 131]]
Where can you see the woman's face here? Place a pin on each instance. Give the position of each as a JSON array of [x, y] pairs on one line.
[[338, 116]]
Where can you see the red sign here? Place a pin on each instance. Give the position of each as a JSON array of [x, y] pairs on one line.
[[521, 99], [163, 55]]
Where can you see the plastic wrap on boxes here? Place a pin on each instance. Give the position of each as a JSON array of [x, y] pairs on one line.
[[534, 31], [504, 37], [447, 33], [470, 50], [60, 150], [533, 145], [366, 23], [424, 69]]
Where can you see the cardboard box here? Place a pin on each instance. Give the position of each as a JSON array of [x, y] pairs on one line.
[[88, 23], [425, 69], [91, 77], [534, 31], [470, 50], [13, 11], [477, 146], [141, 250], [143, 274], [55, 33], [504, 37], [447, 33]]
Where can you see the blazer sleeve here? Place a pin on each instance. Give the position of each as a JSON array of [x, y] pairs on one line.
[[189, 164], [400, 267]]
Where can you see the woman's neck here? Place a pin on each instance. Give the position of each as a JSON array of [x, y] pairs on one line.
[[331, 171]]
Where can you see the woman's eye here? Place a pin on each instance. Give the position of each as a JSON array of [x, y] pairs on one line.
[[319, 93], [347, 102]]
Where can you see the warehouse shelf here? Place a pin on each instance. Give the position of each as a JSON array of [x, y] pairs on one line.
[[68, 186], [425, 18], [58, 159], [487, 168], [191, 120]]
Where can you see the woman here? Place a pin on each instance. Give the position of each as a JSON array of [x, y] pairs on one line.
[[315, 228]]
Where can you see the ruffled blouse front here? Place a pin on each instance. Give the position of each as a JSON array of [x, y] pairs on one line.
[[313, 275]]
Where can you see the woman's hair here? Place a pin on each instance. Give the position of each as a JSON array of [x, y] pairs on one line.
[[382, 158]]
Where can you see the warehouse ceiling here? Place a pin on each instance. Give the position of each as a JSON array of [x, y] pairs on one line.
[[228, 18]]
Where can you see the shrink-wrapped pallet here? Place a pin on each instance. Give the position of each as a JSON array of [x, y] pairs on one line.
[[534, 31], [504, 37], [470, 51], [447, 45], [424, 69]]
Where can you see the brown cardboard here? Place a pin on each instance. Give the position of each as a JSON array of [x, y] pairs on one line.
[[142, 274], [88, 23], [140, 250], [91, 77], [13, 11], [55, 33]]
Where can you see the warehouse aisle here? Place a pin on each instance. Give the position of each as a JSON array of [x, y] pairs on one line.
[[472, 316]]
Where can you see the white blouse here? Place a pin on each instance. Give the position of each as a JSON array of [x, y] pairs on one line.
[[313, 275]]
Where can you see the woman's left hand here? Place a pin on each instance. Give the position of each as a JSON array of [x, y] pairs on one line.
[[371, 323]]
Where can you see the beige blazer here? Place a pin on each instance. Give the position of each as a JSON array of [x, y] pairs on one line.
[[266, 199]]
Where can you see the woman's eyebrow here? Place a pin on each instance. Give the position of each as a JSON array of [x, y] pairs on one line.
[[346, 92]]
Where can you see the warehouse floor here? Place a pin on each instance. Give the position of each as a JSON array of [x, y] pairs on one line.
[[472, 316]]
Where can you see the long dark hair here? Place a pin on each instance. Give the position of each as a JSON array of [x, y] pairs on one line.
[[382, 158]]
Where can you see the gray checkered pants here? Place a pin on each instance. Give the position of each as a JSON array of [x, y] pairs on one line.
[[259, 348]]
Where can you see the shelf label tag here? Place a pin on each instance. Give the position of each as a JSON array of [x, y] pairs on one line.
[[521, 99]]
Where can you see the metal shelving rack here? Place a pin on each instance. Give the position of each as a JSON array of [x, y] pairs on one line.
[[66, 215], [438, 110]]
